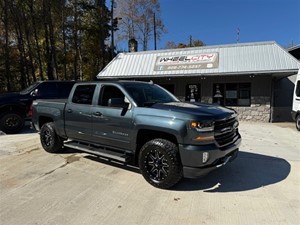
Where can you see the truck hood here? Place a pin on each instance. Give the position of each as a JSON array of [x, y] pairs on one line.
[[12, 97], [9, 97], [198, 109]]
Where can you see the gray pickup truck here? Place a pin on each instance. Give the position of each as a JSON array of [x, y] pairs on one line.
[[140, 123]]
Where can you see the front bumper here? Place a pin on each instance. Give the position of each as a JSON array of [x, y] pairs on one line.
[[192, 158]]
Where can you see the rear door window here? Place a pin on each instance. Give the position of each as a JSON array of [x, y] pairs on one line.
[[83, 94]]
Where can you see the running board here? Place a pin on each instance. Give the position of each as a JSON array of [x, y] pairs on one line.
[[122, 157]]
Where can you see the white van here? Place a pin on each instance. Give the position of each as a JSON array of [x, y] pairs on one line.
[[296, 102]]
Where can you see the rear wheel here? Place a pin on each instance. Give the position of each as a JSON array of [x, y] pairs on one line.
[[11, 122], [160, 164], [298, 122], [50, 141]]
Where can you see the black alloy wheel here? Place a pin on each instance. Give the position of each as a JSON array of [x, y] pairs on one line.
[[157, 165], [50, 141], [160, 163]]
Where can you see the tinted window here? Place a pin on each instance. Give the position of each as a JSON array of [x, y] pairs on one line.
[[108, 92], [84, 94], [30, 88], [64, 89], [149, 94], [47, 90]]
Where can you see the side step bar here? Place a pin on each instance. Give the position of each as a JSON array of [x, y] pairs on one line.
[[122, 157]]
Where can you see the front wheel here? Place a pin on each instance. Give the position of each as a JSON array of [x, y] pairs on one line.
[[298, 122], [160, 163], [50, 141]]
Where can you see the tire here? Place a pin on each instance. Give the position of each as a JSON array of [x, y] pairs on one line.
[[11, 122], [298, 122], [50, 141], [160, 163]]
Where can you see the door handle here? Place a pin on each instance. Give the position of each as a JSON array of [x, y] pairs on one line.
[[69, 110], [97, 114]]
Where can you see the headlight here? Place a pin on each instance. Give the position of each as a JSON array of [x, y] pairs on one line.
[[203, 126]]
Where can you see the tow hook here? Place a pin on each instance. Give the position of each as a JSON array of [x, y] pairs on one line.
[[226, 160]]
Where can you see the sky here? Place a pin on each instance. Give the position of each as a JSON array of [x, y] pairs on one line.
[[216, 22]]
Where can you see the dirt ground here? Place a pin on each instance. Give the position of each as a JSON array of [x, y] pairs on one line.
[[262, 186]]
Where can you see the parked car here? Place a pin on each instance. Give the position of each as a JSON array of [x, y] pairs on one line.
[[142, 124], [15, 108]]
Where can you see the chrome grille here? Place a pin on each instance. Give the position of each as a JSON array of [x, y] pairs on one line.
[[226, 131]]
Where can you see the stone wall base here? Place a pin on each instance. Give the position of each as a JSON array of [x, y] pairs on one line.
[[258, 111], [254, 113]]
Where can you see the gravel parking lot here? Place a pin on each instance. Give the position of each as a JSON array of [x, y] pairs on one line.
[[262, 186]]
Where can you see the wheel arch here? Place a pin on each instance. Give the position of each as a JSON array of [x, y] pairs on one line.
[[145, 135], [43, 120]]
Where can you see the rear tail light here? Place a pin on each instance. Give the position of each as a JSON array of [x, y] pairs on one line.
[[30, 111]]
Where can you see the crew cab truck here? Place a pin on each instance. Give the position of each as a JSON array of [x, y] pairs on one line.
[[15, 108], [140, 123], [296, 102]]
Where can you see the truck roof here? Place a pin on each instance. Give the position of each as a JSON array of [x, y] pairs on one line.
[[115, 81]]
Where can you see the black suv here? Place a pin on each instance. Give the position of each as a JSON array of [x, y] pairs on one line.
[[15, 108]]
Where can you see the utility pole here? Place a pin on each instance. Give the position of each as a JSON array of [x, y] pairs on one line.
[[112, 29], [154, 22], [191, 40]]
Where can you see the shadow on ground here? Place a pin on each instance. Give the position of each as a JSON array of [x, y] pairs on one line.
[[249, 171], [28, 130]]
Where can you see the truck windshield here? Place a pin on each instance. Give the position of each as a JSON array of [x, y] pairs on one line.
[[148, 94], [30, 88]]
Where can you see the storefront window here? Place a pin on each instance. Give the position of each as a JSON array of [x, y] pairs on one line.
[[192, 93], [232, 94]]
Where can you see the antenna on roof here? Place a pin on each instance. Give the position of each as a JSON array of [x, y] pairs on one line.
[[237, 35]]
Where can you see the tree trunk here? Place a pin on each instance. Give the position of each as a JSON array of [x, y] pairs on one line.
[[64, 39], [47, 47], [31, 63], [75, 33], [7, 51], [19, 33], [100, 8], [36, 40], [52, 45]]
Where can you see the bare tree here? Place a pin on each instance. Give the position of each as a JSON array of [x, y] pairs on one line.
[[139, 17]]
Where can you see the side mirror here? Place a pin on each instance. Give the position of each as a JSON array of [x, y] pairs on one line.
[[35, 93], [117, 102]]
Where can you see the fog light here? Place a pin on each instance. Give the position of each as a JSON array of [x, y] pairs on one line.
[[205, 157]]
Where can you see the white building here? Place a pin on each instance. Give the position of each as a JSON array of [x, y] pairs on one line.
[[252, 78]]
